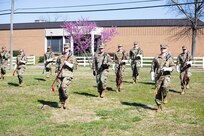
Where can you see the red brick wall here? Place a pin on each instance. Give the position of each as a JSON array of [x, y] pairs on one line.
[[32, 41], [149, 39]]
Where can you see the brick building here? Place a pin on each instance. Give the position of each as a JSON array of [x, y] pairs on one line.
[[34, 37]]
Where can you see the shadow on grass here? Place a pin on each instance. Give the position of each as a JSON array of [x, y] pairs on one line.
[[110, 89], [138, 105], [40, 79], [48, 103], [174, 91], [126, 82], [147, 83], [12, 84], [86, 94]]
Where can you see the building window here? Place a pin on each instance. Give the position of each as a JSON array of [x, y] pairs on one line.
[[56, 43]]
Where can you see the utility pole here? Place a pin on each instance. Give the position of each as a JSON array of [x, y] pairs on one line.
[[11, 34]]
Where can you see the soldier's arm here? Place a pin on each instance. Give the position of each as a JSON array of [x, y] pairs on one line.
[[126, 56], [131, 54], [57, 64], [153, 65], [109, 59], [94, 62], [190, 56], [171, 63], [114, 58]]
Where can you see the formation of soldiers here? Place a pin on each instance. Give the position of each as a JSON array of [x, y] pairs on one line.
[[161, 68]]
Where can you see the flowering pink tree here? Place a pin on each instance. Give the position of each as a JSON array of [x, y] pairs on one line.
[[108, 34], [80, 32]]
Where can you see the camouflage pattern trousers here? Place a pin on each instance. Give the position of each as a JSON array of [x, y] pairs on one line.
[[48, 70], [101, 79], [63, 87], [20, 72], [185, 78], [163, 89], [3, 69], [119, 72], [135, 69]]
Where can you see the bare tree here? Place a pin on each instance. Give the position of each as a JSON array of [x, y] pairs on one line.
[[194, 11]]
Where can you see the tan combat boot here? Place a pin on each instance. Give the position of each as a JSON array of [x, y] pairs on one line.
[[103, 94], [21, 84], [117, 90], [165, 100], [182, 92], [159, 108], [60, 105], [187, 86], [137, 78], [65, 104]]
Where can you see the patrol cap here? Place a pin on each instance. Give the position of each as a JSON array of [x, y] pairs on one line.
[[66, 45], [48, 47], [101, 46], [135, 42], [21, 50], [120, 45], [184, 47], [163, 46]]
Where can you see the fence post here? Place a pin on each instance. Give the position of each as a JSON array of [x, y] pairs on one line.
[[141, 62], [84, 61], [33, 60], [203, 62]]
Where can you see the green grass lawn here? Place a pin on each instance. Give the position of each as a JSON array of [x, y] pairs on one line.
[[32, 109]]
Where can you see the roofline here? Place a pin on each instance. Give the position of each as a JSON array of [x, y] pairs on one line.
[[106, 23]]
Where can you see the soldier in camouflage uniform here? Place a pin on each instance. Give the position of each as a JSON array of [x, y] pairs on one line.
[[20, 66], [100, 66], [64, 67], [184, 62], [120, 59], [4, 56], [161, 68], [48, 60], [135, 56]]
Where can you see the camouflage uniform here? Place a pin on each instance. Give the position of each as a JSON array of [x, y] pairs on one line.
[[101, 63], [135, 56], [4, 56], [119, 58], [21, 61], [49, 59], [162, 77], [184, 69], [65, 76]]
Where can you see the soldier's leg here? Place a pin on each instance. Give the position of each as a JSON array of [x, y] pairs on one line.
[[188, 78], [1, 77], [165, 88], [158, 99], [137, 73], [59, 82], [47, 72], [104, 77], [182, 83], [3, 72], [65, 89], [99, 84], [20, 72], [133, 66]]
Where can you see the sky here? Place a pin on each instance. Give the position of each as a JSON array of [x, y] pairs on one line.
[[152, 13]]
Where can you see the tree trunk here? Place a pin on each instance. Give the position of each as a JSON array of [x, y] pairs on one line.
[[193, 46]]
